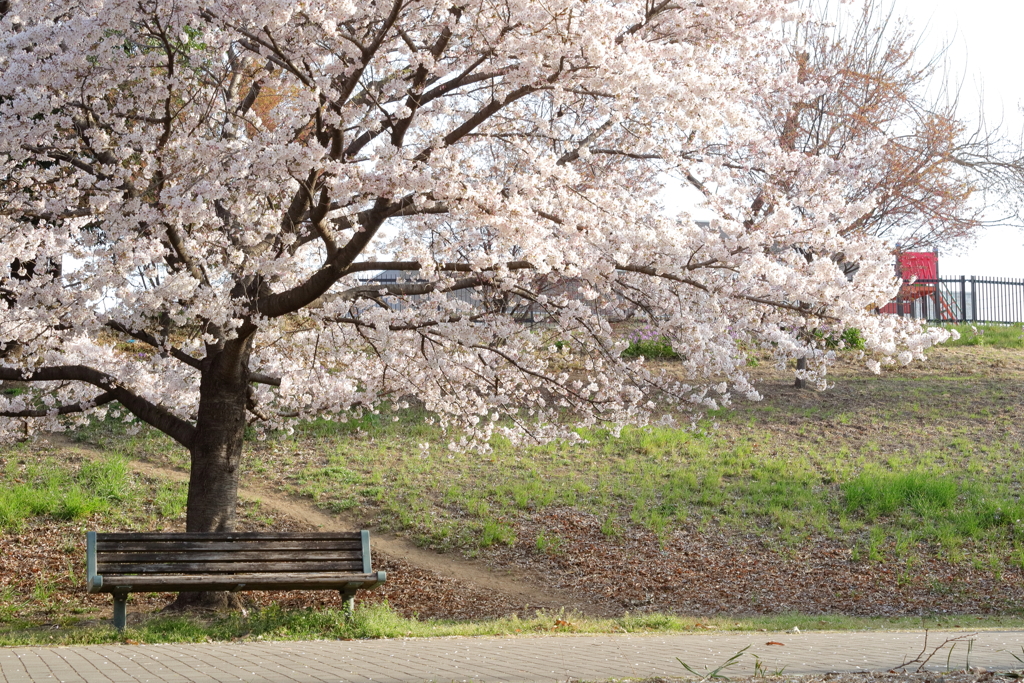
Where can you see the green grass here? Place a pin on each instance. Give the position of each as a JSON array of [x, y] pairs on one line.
[[379, 621], [131, 440], [934, 507], [47, 488], [662, 479], [892, 467], [52, 500], [994, 336]]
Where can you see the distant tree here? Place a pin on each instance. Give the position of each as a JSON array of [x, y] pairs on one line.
[[935, 178], [940, 176], [223, 178]]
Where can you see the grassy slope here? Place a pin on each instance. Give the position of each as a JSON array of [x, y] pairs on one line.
[[925, 460], [993, 336], [929, 455], [55, 498]]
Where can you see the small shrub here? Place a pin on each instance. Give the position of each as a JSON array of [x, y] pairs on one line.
[[850, 339], [649, 344], [652, 349], [853, 339]]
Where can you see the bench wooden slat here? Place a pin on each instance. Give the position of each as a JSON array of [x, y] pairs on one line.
[[106, 568], [241, 546], [214, 556], [228, 535], [234, 582]]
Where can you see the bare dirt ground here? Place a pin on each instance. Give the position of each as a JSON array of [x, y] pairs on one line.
[[973, 395], [711, 572]]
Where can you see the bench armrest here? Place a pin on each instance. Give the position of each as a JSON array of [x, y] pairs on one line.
[[94, 582], [365, 538]]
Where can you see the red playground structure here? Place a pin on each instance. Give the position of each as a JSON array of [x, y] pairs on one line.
[[919, 271]]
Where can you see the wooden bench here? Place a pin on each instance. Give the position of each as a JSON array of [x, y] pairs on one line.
[[123, 563]]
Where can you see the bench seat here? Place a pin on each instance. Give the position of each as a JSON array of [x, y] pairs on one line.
[[236, 582], [123, 563]]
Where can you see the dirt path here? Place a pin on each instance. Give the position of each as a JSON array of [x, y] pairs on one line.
[[447, 565]]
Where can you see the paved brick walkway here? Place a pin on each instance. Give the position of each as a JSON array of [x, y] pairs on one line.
[[447, 660]]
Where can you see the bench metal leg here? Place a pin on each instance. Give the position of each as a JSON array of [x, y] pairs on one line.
[[120, 611], [350, 602]]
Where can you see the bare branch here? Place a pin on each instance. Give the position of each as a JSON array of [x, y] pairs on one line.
[[364, 266], [924, 656]]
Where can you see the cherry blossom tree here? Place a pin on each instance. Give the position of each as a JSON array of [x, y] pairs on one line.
[[221, 181]]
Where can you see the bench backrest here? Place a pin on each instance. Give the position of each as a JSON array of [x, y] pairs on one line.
[[111, 554]]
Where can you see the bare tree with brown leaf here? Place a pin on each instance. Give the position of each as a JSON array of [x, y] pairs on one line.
[[944, 174]]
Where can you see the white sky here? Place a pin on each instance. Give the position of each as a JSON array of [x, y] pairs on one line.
[[985, 45]]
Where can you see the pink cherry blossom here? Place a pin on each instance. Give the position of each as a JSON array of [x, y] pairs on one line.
[[218, 182]]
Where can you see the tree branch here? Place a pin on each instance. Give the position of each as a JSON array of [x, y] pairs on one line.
[[68, 159], [178, 245], [372, 290], [150, 413], [177, 353], [364, 266], [105, 397], [648, 270], [274, 305], [260, 378], [569, 157]]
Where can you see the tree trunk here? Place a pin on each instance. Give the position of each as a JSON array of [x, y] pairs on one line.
[[801, 364], [216, 454]]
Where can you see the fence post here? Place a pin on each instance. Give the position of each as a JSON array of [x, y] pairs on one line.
[[974, 299], [938, 299], [963, 299]]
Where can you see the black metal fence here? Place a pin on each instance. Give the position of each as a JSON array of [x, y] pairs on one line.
[[961, 300]]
